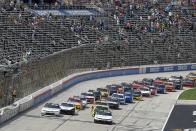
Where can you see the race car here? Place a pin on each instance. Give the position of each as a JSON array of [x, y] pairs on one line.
[[160, 88], [177, 80], [51, 109], [192, 75], [128, 97], [147, 81], [103, 116], [145, 91], [169, 86], [77, 103], [96, 94], [67, 108], [163, 79], [120, 97], [103, 91], [188, 82], [127, 87], [83, 99], [153, 89], [137, 95], [89, 96], [94, 108], [113, 103], [137, 84], [112, 88]]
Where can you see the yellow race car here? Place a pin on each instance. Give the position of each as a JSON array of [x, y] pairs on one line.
[[137, 95], [103, 91], [77, 103]]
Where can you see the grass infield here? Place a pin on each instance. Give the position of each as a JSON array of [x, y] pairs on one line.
[[188, 95]]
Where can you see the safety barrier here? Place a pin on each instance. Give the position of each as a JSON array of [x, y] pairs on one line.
[[7, 113]]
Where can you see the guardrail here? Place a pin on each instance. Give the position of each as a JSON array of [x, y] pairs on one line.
[[39, 96]]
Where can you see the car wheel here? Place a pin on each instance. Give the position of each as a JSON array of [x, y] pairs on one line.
[[110, 123], [95, 121], [42, 114]]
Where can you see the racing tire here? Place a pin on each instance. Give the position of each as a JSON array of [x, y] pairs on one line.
[[95, 121], [110, 123]]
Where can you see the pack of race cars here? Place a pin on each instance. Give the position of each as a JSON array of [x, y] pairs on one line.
[[103, 100]]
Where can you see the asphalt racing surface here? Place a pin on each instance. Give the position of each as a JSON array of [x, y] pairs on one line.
[[182, 117], [147, 115]]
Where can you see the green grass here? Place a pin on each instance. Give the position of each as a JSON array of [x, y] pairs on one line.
[[188, 95]]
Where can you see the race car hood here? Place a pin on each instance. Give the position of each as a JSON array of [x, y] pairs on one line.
[[112, 102], [103, 117], [50, 109], [66, 108], [145, 92]]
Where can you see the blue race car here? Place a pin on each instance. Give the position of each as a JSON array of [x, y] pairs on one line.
[[128, 97], [160, 88]]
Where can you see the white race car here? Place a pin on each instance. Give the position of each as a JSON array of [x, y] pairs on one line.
[[103, 116], [67, 108], [51, 109], [145, 91]]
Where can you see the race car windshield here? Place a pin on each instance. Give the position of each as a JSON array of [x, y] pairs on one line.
[[67, 104], [89, 94], [120, 96], [101, 108], [144, 89], [104, 113], [127, 93], [137, 93], [52, 105]]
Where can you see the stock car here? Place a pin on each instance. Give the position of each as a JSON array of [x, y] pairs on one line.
[[145, 91], [112, 88], [148, 81], [178, 82], [103, 91], [94, 108], [96, 94], [89, 96], [137, 95], [169, 86], [192, 75], [51, 109], [163, 79], [128, 97], [67, 108], [83, 99], [120, 97], [188, 82], [159, 84], [77, 103], [103, 116], [113, 103], [153, 89]]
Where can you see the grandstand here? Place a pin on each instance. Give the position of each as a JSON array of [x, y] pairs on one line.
[[43, 41]]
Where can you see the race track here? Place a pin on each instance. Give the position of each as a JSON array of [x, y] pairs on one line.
[[147, 115]]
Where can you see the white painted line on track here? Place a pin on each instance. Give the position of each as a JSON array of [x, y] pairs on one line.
[[168, 117]]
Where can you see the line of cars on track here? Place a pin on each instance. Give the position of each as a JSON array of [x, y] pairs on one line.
[[102, 100]]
